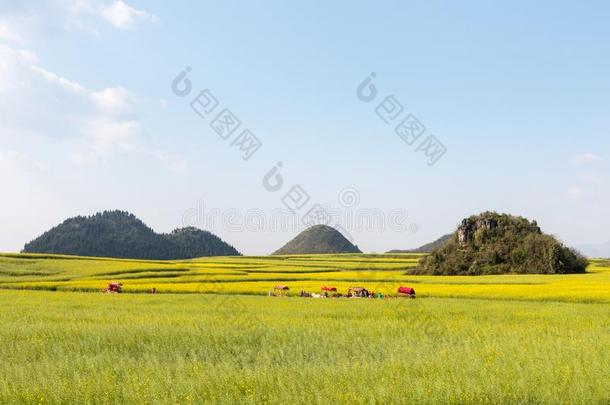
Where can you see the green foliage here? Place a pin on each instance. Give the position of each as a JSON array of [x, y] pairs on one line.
[[493, 243], [191, 242], [122, 235], [319, 239]]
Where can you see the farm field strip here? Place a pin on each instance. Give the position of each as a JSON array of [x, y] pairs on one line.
[[256, 276]]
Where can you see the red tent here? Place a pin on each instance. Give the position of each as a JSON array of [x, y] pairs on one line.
[[331, 289], [114, 287], [406, 290]]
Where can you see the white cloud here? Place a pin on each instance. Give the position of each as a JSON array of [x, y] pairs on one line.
[[14, 64], [95, 125], [61, 81], [592, 178], [575, 193], [8, 32], [107, 135], [115, 100], [123, 16], [173, 162], [16, 162], [112, 100], [586, 158], [102, 137], [71, 16]]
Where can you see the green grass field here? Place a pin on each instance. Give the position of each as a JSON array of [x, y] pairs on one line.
[[99, 348], [492, 339]]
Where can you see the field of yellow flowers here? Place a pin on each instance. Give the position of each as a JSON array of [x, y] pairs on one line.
[[258, 275], [492, 339]]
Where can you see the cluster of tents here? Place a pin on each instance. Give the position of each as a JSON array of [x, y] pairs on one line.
[[281, 290], [332, 292]]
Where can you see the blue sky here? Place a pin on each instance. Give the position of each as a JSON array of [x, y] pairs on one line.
[[517, 92]]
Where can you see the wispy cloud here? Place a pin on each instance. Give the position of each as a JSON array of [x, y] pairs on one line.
[[115, 100], [8, 32], [13, 161], [73, 16], [95, 124], [61, 81], [586, 158], [593, 178], [575, 193], [123, 16], [174, 162]]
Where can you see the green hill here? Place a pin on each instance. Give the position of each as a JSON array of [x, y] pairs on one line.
[[122, 235], [318, 239], [428, 247], [492, 243]]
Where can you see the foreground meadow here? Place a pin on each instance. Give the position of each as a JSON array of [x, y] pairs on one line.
[[61, 347], [258, 275]]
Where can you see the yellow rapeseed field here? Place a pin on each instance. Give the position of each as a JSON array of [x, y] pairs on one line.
[[527, 339], [258, 275]]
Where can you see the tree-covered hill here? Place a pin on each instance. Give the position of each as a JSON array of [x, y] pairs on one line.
[[120, 234], [492, 243], [318, 239]]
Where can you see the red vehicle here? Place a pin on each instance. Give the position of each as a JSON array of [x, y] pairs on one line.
[[114, 288], [406, 292]]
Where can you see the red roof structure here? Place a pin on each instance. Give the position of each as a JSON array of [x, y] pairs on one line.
[[406, 290], [114, 287]]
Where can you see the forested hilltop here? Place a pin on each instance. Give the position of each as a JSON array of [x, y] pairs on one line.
[[318, 239], [492, 243], [122, 235]]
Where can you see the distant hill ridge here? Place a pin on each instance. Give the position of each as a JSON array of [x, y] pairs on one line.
[[318, 239], [596, 250], [122, 235], [428, 247]]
